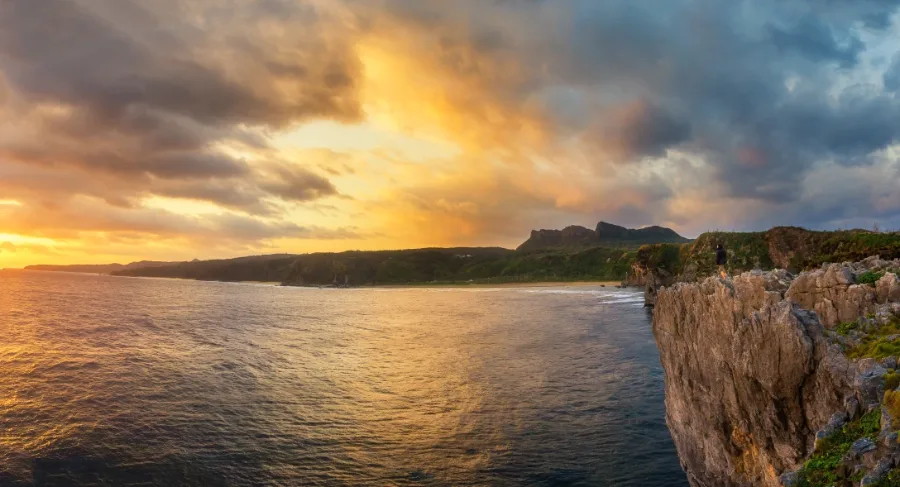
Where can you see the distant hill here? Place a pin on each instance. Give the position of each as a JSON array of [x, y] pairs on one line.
[[355, 267], [99, 269], [605, 235], [261, 268], [434, 265]]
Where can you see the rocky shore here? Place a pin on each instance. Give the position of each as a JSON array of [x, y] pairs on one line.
[[774, 379]]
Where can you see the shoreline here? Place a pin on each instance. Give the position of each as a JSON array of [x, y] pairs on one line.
[[463, 285], [605, 283], [612, 284]]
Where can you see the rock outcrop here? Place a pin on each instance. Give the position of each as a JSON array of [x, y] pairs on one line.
[[755, 376], [833, 294], [605, 235]]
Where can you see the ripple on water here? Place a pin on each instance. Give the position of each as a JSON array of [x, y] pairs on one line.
[[111, 381]]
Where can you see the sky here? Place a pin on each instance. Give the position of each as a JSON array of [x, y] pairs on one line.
[[182, 129]]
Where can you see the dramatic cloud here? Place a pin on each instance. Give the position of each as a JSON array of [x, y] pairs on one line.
[[760, 94], [396, 123]]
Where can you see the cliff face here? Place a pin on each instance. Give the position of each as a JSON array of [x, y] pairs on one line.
[[754, 374]]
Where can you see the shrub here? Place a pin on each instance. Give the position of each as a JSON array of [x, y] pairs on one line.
[[869, 277], [891, 380], [822, 467], [846, 327], [892, 403]]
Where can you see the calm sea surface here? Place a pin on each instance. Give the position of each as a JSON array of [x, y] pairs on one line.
[[116, 381]]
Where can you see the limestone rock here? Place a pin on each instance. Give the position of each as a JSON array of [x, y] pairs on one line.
[[790, 479], [882, 468], [837, 421], [754, 379], [851, 407], [869, 383], [832, 293], [887, 289], [861, 446], [749, 377]]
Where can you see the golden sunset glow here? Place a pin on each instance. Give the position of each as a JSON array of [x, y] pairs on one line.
[[335, 125]]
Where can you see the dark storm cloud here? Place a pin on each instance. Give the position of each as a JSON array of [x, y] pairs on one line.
[[765, 92], [63, 51], [642, 129], [141, 94], [892, 75], [813, 39], [293, 183], [722, 67]]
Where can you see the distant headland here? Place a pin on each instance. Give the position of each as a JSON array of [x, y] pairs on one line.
[[649, 257]]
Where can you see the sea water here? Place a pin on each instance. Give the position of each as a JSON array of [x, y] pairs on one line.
[[118, 381]]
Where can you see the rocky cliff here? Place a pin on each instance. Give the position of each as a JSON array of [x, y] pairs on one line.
[[773, 379], [604, 235]]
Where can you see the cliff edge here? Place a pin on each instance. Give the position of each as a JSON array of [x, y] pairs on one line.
[[774, 379]]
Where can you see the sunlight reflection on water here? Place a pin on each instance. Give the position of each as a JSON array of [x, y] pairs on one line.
[[142, 381]]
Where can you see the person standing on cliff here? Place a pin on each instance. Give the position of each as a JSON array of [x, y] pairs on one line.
[[721, 260]]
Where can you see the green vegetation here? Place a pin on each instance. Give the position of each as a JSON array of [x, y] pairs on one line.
[[878, 344], [892, 401], [869, 277], [432, 266], [892, 479], [891, 380], [846, 327], [878, 348], [822, 468], [746, 251], [854, 245], [791, 248], [786, 247], [667, 257]]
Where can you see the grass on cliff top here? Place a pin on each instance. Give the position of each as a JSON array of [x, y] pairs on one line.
[[667, 257], [854, 245], [875, 345], [877, 348], [822, 468], [746, 251]]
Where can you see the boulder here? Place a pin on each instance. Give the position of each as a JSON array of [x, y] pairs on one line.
[[832, 293], [887, 289], [862, 446], [869, 383], [876, 474]]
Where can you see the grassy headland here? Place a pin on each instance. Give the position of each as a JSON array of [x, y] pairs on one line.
[[791, 248]]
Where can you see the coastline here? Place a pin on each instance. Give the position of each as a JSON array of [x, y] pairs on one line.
[[482, 284], [501, 284]]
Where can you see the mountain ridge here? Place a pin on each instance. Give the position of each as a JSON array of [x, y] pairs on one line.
[[604, 235]]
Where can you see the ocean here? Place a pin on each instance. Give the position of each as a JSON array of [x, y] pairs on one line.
[[118, 381]]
